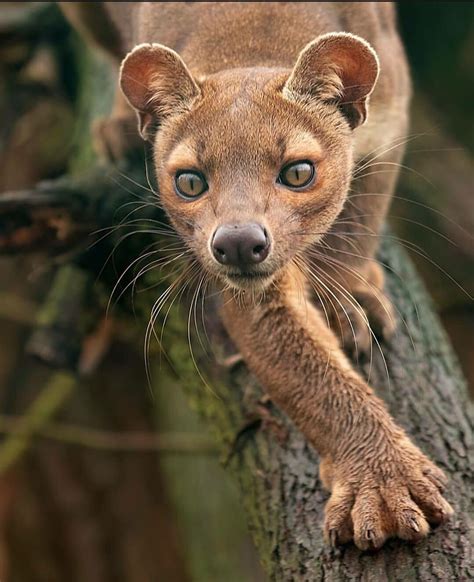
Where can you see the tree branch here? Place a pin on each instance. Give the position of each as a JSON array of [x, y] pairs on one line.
[[106, 440], [52, 398]]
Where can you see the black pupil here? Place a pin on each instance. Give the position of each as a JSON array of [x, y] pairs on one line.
[[190, 184], [297, 175]]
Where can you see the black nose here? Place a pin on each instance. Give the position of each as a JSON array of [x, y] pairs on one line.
[[240, 245]]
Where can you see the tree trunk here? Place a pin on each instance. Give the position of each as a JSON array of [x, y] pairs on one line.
[[279, 480]]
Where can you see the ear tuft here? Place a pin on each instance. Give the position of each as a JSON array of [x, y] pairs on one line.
[[157, 83], [337, 67]]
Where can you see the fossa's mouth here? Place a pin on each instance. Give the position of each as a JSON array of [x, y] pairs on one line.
[[249, 279]]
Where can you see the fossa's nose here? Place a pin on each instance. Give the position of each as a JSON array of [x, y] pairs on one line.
[[240, 245]]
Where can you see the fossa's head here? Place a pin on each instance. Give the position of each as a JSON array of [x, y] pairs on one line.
[[253, 165]]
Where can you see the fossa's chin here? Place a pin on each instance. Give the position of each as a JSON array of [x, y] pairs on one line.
[[252, 281]]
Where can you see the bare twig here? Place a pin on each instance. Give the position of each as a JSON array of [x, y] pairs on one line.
[[184, 443], [51, 398]]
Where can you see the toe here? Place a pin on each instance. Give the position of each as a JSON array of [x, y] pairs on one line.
[[357, 339], [380, 312], [408, 520], [430, 500], [338, 523], [436, 476], [370, 528], [351, 325]]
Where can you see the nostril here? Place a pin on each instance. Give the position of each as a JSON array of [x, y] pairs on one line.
[[261, 249], [262, 246], [220, 254]]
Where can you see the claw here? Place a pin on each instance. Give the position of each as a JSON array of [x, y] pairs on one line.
[[232, 361], [443, 514], [370, 536], [333, 537], [414, 525]]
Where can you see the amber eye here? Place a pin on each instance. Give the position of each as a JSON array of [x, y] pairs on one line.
[[297, 175], [190, 184]]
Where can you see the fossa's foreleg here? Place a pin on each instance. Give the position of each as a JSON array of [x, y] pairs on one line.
[[382, 484]]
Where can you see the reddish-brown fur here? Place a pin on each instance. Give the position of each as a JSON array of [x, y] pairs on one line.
[[262, 87]]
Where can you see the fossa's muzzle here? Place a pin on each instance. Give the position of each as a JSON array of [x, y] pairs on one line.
[[240, 245]]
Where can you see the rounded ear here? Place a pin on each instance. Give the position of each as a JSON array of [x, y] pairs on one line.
[[336, 67], [156, 83]]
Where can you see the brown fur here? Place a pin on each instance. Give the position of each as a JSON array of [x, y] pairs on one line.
[[265, 84]]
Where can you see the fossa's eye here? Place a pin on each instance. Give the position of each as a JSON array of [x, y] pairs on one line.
[[190, 184], [297, 175]]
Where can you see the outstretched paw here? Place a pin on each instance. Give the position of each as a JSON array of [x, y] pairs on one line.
[[371, 502]]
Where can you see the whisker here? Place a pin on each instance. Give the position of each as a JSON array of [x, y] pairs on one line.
[[317, 279], [359, 309], [191, 351], [398, 166], [377, 261], [341, 265], [416, 203], [303, 267], [147, 174], [135, 183], [401, 141]]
